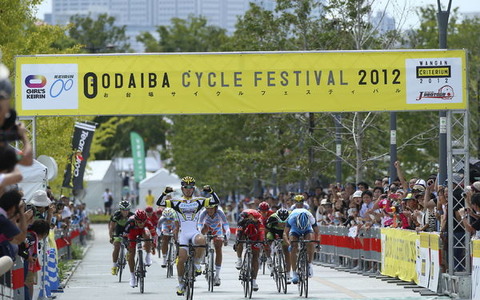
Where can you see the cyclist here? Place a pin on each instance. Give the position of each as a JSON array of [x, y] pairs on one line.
[[188, 208], [116, 227], [299, 202], [153, 218], [138, 225], [166, 228], [275, 228], [249, 225], [266, 212], [301, 222], [213, 220]]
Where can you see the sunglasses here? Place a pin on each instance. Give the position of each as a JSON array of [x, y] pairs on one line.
[[188, 186]]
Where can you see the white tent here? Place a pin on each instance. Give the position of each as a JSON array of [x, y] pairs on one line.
[[34, 178], [100, 175], [157, 183]]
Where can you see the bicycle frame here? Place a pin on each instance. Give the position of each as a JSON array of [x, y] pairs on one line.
[[121, 261], [140, 268], [302, 265], [246, 275], [189, 274], [171, 255]]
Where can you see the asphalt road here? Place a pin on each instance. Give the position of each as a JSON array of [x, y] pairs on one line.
[[92, 280]]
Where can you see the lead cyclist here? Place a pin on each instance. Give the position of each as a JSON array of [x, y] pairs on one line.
[[188, 208]]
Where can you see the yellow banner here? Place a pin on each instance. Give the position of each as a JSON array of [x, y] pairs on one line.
[[253, 82], [400, 254], [476, 248]]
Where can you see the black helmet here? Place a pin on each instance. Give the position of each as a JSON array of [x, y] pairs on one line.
[[282, 214]]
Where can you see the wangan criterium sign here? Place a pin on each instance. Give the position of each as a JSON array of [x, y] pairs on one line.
[[250, 82]]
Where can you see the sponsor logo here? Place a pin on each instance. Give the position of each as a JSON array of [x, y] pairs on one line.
[[35, 81], [444, 93], [433, 72], [49, 86]]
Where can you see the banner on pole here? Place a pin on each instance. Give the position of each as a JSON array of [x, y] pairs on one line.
[[138, 154], [77, 160]]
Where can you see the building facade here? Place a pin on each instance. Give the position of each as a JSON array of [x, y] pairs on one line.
[[145, 15]]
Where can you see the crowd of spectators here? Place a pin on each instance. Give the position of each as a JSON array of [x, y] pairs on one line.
[[25, 222]]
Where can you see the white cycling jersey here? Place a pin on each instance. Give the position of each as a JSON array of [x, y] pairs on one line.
[[188, 214]]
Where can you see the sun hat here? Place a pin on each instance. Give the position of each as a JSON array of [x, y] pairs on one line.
[[357, 194], [40, 199]]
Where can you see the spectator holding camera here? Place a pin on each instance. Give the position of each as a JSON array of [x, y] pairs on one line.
[[43, 206], [13, 222], [10, 129]]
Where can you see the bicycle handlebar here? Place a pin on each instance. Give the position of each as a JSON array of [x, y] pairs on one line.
[[191, 245], [306, 241], [250, 242]]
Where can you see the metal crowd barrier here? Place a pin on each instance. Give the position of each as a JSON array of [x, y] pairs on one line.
[[360, 252], [12, 285]]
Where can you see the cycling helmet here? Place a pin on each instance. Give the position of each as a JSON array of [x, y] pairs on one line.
[[149, 209], [282, 215], [140, 215], [263, 206], [168, 213], [210, 205], [302, 221], [159, 211], [188, 181], [124, 205], [298, 198], [243, 215]]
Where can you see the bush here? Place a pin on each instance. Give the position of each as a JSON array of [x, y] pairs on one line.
[[76, 251], [97, 219]]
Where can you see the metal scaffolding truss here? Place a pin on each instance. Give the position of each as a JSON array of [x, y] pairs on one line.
[[458, 251]]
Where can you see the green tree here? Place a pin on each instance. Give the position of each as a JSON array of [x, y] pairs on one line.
[[112, 137], [100, 35], [191, 35]]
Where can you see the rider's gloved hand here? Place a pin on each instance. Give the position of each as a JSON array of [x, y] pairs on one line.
[[111, 240], [167, 190], [235, 247], [207, 189]]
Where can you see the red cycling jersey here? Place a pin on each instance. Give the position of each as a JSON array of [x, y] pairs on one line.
[[133, 230]]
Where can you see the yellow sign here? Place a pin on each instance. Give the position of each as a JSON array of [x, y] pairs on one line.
[[251, 82], [400, 254]]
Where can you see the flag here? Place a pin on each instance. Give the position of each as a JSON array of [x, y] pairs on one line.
[[138, 154], [77, 160]]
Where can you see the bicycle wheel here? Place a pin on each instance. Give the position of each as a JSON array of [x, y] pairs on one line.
[[189, 278], [159, 246], [263, 260], [170, 259], [140, 271], [246, 274], [121, 262], [249, 276], [305, 279], [210, 269], [282, 271], [275, 271], [300, 269]]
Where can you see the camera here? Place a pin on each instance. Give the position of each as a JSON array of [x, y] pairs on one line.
[[32, 207], [9, 129]]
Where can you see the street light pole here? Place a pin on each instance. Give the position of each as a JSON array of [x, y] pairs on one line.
[[442, 19]]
